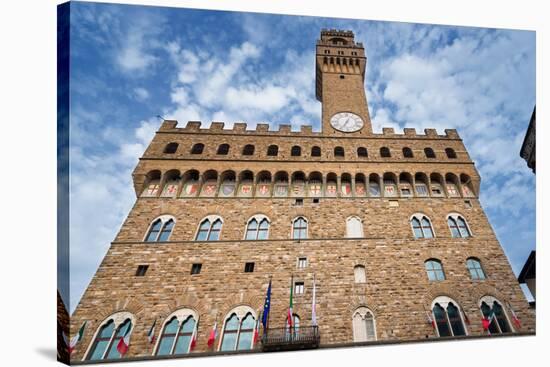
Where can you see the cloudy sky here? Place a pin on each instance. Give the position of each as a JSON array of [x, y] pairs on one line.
[[132, 63]]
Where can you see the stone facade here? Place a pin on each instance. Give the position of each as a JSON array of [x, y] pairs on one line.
[[397, 290]]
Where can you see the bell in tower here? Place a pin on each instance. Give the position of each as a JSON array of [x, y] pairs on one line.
[[340, 76]]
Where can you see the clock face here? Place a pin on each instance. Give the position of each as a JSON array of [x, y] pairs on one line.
[[347, 122]]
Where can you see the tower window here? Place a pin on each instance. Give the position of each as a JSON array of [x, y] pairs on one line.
[[296, 151], [407, 152], [171, 148], [339, 152], [429, 153], [249, 267], [362, 152], [248, 149], [315, 151], [451, 154], [196, 269], [298, 287], [273, 150], [385, 152], [141, 270], [342, 77], [223, 149], [197, 148]]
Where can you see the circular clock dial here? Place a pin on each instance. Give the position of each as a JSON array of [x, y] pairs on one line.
[[346, 121]]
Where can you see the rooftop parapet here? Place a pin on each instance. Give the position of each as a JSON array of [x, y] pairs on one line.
[[305, 130]]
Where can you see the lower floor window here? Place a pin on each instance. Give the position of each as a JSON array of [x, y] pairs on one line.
[[363, 325], [448, 318]]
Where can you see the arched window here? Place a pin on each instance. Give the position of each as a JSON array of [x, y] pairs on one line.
[[354, 228], [363, 325], [152, 184], [458, 226], [315, 151], [238, 329], [451, 154], [475, 269], [494, 315], [257, 228], [272, 150], [448, 317], [362, 152], [296, 151], [299, 228], [223, 149], [339, 152], [248, 149], [429, 153], [160, 229], [421, 226], [197, 148], [109, 334], [385, 152], [209, 229], [407, 152], [170, 148], [434, 269], [295, 325], [177, 333], [360, 274]]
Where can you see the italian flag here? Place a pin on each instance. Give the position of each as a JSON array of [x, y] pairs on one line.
[[77, 338], [124, 343], [193, 341], [486, 322], [514, 317], [256, 332], [213, 335], [289, 316], [430, 319], [151, 333]]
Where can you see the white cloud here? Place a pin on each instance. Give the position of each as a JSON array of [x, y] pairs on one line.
[[141, 94]]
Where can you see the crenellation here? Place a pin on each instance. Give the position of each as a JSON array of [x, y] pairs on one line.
[[409, 131], [239, 127], [285, 129], [388, 131], [452, 133], [217, 126], [193, 126], [262, 127], [432, 133]]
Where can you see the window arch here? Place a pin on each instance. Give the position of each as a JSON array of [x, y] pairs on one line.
[[160, 229], [315, 151], [257, 228], [152, 184], [248, 149], [451, 154], [354, 227], [238, 329], [272, 150], [448, 317], [458, 226], [421, 226], [496, 319], [385, 152], [171, 148], [407, 152], [209, 229], [362, 152], [360, 274], [339, 152], [434, 269], [177, 333], [299, 228], [108, 335], [364, 327], [475, 269], [197, 148], [295, 151], [223, 149], [429, 153]]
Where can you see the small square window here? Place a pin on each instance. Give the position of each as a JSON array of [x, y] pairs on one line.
[[342, 77], [298, 287], [141, 270], [299, 202], [302, 262], [394, 203], [249, 267], [468, 203], [196, 269], [316, 200], [405, 191]]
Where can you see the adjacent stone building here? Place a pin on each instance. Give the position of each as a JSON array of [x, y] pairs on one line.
[[389, 224]]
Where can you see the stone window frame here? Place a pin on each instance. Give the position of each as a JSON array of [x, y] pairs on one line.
[[170, 148], [306, 262], [292, 227], [118, 319], [197, 149], [434, 270], [419, 216], [364, 269], [363, 312], [181, 315], [477, 269], [455, 217], [165, 218], [360, 221], [241, 312], [211, 218], [489, 300], [258, 218], [223, 149], [444, 301]]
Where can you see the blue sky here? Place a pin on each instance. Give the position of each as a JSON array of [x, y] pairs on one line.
[[132, 63]]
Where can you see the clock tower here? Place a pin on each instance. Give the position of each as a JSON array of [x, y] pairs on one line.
[[339, 86]]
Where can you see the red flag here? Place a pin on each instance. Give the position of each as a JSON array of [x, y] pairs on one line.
[[485, 323], [430, 319], [256, 332], [193, 342], [213, 335], [124, 343], [514, 317]]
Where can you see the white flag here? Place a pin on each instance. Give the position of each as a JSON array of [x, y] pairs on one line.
[[313, 311]]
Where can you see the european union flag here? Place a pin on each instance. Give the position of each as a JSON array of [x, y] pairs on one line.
[[267, 305]]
